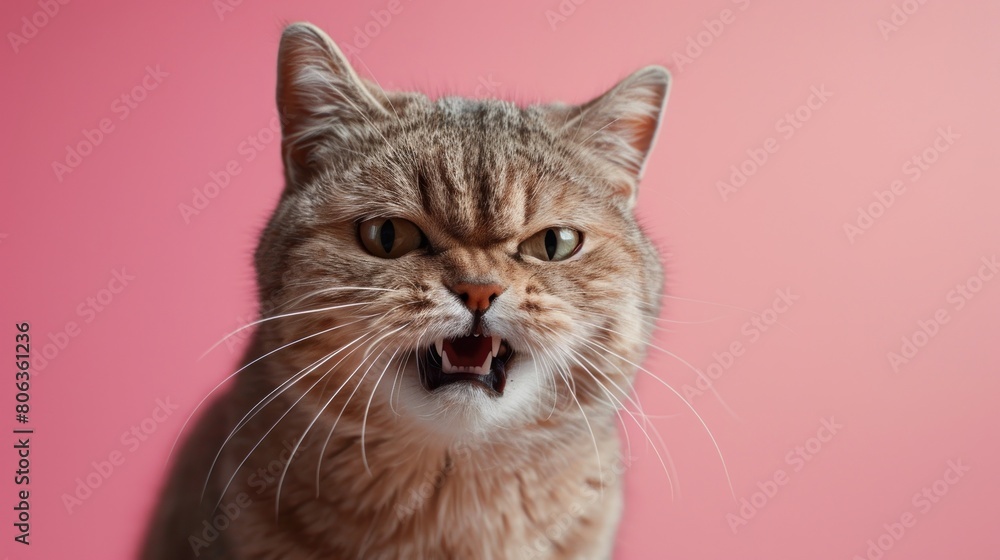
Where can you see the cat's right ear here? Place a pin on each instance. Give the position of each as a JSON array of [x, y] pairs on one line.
[[321, 100], [621, 125]]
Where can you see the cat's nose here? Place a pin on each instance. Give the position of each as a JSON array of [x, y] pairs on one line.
[[477, 297]]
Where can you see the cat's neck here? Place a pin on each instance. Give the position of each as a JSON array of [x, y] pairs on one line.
[[506, 498], [505, 491]]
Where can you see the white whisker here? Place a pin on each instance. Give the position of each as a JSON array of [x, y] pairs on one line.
[[674, 356], [232, 375], [377, 338], [679, 396], [270, 398], [574, 354], [751, 311], [282, 316]]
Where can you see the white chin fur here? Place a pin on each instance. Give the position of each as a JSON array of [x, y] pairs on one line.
[[463, 409]]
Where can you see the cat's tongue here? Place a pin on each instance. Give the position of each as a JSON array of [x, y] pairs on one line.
[[468, 354]]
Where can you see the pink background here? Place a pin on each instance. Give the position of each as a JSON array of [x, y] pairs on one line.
[[784, 229]]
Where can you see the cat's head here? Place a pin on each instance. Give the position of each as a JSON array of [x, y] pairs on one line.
[[464, 265]]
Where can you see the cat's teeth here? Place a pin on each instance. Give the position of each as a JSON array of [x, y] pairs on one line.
[[485, 368]]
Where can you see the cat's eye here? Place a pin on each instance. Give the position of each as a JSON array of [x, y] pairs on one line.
[[390, 238], [553, 244]]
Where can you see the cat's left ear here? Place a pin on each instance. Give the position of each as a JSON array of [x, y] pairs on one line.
[[321, 100], [621, 125]]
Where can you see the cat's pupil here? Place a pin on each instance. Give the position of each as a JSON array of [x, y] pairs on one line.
[[387, 236], [550, 243]]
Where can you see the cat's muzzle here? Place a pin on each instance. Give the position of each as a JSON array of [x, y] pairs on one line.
[[477, 359]]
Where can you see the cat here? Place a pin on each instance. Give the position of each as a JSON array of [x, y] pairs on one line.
[[455, 296]]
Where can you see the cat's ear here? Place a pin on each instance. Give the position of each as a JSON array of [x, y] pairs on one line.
[[621, 125], [321, 100]]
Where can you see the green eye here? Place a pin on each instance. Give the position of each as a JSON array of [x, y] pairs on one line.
[[553, 244], [390, 238]]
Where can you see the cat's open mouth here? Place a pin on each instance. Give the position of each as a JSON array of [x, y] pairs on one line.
[[476, 359]]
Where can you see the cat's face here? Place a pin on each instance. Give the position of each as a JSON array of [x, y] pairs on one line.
[[477, 264]]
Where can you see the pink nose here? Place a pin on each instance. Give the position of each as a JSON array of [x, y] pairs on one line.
[[477, 297]]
